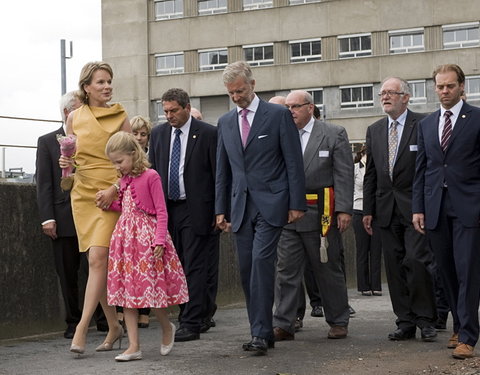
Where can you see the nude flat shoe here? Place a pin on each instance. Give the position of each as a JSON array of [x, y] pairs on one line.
[[165, 349]]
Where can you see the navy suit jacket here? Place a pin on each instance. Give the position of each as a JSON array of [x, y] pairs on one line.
[[53, 202], [380, 193], [458, 167], [199, 169], [269, 170]]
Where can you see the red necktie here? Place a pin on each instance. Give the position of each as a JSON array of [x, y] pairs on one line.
[[447, 130], [245, 126]]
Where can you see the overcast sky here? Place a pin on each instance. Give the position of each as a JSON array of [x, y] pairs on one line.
[[30, 66]]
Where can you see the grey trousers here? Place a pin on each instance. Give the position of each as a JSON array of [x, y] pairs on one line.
[[294, 248]]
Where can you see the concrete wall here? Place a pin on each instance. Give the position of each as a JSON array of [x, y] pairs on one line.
[[30, 297]]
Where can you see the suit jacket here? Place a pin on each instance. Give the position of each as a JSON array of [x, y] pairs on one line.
[[53, 203], [327, 161], [268, 170], [199, 170], [380, 193], [458, 167]]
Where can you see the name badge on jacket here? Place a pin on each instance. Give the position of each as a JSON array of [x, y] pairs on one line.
[[413, 148], [323, 154]]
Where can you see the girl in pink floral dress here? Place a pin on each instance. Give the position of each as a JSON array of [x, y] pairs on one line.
[[143, 266]]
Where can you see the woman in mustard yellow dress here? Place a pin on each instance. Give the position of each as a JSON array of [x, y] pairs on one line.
[[93, 190]]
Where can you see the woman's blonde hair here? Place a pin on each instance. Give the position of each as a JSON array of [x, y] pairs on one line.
[[86, 76], [125, 143], [138, 122]]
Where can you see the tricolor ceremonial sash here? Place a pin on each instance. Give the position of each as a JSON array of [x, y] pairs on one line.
[[326, 207]]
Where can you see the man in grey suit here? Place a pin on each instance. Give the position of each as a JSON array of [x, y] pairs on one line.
[[387, 198], [260, 186], [328, 163]]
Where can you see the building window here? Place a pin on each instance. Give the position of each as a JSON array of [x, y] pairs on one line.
[[418, 92], [295, 2], [317, 95], [356, 96], [259, 54], [257, 4], [472, 87], [169, 63], [213, 59], [305, 50], [355, 45], [167, 9], [405, 41], [161, 118], [212, 6], [461, 35]]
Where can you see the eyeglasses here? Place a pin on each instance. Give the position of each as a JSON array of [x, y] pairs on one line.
[[390, 93], [296, 106]]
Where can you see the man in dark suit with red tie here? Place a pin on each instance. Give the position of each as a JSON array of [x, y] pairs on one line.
[[446, 201], [387, 198], [183, 152], [260, 187]]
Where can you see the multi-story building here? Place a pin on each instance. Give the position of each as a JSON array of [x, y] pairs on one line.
[[339, 50]]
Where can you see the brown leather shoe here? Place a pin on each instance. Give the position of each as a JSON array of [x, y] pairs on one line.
[[281, 334], [453, 341], [338, 332], [463, 351]]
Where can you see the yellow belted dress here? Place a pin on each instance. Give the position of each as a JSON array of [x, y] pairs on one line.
[[93, 127]]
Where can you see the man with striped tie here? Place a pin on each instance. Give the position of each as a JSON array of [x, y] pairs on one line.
[[387, 198], [446, 200]]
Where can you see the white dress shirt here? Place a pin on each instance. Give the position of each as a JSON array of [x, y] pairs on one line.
[[252, 109], [453, 118], [400, 125], [183, 149]]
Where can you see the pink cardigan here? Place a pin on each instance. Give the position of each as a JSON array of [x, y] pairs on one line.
[[147, 193]]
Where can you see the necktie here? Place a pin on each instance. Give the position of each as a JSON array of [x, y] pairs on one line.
[[447, 130], [392, 146], [245, 126], [302, 132], [173, 184]]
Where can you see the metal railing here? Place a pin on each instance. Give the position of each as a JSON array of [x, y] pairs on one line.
[[3, 147]]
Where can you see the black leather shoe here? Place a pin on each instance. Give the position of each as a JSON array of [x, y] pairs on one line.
[[441, 322], [184, 334], [70, 331], [351, 311], [428, 334], [270, 344], [298, 324], [317, 312], [258, 345], [207, 324], [399, 335]]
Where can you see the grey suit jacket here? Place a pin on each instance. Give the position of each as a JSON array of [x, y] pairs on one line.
[[327, 161]]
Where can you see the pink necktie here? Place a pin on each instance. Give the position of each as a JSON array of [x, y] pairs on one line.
[[447, 130], [245, 126]]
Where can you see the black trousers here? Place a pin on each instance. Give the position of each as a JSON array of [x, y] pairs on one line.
[[369, 255], [193, 251], [209, 306], [67, 264], [407, 264]]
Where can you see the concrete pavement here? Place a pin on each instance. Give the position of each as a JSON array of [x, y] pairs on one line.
[[365, 351]]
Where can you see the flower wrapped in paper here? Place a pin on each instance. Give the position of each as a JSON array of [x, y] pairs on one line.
[[67, 149]]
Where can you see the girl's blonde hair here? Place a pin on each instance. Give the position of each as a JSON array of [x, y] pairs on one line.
[[125, 143], [139, 122]]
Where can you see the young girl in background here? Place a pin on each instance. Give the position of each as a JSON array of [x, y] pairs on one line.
[[143, 266]]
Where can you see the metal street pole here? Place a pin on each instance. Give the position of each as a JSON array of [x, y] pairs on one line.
[[63, 68]]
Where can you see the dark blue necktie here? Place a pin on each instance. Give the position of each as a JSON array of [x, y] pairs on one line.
[[174, 185]]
